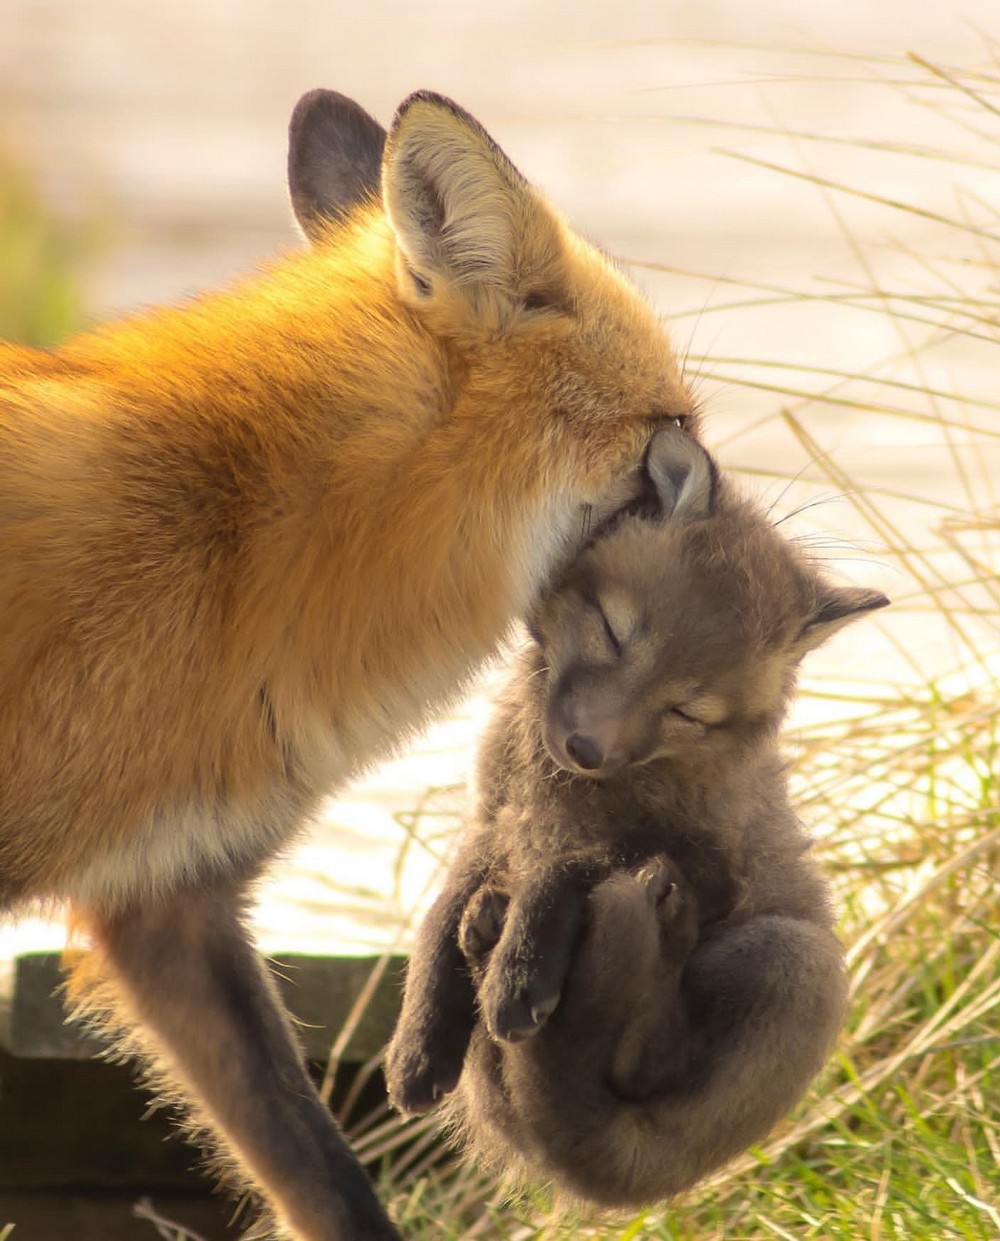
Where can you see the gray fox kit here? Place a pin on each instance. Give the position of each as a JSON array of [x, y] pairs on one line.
[[250, 543], [633, 956]]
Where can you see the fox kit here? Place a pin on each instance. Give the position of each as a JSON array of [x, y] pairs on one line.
[[633, 953], [250, 543]]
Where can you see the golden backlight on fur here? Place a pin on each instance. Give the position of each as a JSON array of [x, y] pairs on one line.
[[251, 542]]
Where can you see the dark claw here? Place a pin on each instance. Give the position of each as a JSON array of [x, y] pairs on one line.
[[518, 1036], [522, 1021], [540, 1013], [667, 893]]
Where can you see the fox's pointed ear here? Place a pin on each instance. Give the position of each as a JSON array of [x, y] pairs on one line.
[[459, 208], [837, 607], [334, 159], [683, 474]]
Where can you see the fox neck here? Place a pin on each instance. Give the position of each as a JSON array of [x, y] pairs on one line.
[[391, 523]]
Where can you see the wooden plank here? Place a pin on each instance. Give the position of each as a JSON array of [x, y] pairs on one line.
[[92, 1215], [319, 991], [35, 1019], [72, 1123]]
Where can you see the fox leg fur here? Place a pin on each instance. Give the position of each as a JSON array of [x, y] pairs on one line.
[[183, 968], [425, 1057]]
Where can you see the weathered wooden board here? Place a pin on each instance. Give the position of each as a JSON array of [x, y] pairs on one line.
[[320, 992]]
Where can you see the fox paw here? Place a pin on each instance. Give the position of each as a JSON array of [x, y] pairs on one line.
[[672, 903], [482, 925], [527, 970], [419, 1076]]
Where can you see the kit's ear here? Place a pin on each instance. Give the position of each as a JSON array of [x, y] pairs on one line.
[[837, 607], [334, 159], [682, 473]]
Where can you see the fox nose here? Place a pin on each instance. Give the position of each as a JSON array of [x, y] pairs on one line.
[[584, 751]]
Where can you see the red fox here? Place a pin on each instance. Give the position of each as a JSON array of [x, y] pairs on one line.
[[633, 956], [249, 544]]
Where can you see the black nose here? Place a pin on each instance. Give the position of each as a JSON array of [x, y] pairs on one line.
[[584, 751]]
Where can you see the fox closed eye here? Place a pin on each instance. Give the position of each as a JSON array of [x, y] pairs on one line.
[[540, 299], [614, 641]]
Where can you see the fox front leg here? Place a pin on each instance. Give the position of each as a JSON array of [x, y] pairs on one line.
[[524, 976], [180, 977], [425, 1057]]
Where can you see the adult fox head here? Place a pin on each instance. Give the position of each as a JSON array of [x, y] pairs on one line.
[[679, 638], [306, 507], [531, 321]]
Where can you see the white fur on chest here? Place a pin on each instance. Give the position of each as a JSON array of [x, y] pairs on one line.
[[187, 845], [546, 545]]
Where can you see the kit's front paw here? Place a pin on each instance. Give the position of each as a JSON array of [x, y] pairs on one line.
[[482, 926], [672, 903], [419, 1073], [527, 969]]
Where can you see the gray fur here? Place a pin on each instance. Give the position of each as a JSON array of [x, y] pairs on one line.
[[334, 159], [683, 475], [632, 972]]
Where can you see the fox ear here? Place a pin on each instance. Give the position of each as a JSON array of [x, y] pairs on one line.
[[458, 206], [683, 474], [334, 159], [837, 607]]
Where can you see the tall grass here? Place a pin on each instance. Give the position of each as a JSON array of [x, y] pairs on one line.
[[898, 768]]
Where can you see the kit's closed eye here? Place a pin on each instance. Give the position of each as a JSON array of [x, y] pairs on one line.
[[702, 708], [619, 618], [613, 639]]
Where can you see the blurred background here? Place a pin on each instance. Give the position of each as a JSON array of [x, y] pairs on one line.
[[142, 159], [164, 128]]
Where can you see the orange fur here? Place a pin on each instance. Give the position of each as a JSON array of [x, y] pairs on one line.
[[249, 543], [294, 484]]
